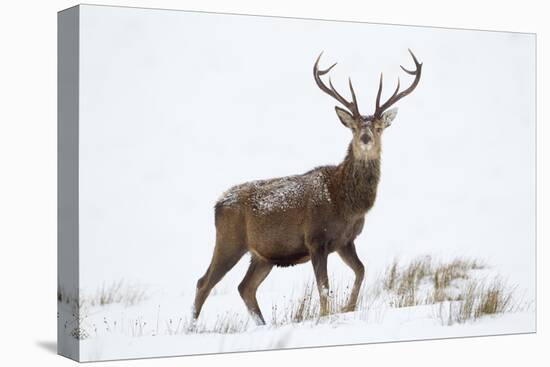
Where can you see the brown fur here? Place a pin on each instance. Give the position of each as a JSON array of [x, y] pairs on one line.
[[318, 212], [291, 220]]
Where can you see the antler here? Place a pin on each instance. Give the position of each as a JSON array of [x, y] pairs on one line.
[[396, 95], [351, 106]]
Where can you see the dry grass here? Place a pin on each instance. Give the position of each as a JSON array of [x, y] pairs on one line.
[[445, 273], [305, 307], [494, 298], [226, 323], [403, 282], [392, 275], [451, 286], [117, 292], [67, 297], [480, 299], [424, 281], [76, 318]]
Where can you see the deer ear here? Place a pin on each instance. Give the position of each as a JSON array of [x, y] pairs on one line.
[[345, 117], [388, 116]]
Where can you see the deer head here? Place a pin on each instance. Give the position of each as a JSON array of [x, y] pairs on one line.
[[367, 129]]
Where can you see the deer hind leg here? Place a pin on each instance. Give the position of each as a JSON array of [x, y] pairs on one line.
[[350, 258], [224, 258], [256, 274]]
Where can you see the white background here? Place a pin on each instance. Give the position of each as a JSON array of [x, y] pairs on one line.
[[170, 120], [28, 160]]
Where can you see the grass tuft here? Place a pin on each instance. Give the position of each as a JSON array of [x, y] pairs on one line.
[[424, 281], [118, 292], [480, 299]]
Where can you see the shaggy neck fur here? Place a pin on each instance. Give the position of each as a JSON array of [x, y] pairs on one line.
[[358, 180]]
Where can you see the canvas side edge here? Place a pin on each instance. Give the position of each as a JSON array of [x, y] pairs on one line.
[[68, 318]]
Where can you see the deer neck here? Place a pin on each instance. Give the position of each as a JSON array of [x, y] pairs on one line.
[[358, 182]]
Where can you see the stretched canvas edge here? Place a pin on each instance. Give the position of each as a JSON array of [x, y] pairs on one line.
[[67, 180]]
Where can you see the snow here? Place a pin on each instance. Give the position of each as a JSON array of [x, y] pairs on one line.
[[279, 194], [161, 325], [382, 324], [406, 325], [162, 136]]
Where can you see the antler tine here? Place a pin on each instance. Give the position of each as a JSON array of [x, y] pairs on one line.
[[396, 89], [353, 97], [379, 92], [414, 58], [351, 106], [378, 95], [316, 66], [317, 73], [408, 71], [338, 96], [416, 63], [396, 95]]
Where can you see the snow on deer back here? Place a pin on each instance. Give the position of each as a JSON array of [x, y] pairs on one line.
[[279, 194]]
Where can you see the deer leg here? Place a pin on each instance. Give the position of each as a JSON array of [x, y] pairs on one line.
[[224, 258], [350, 258], [319, 260], [256, 274]]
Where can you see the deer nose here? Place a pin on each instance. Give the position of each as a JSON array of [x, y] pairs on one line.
[[365, 138]]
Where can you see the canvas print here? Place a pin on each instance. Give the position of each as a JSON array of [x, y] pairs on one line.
[[240, 183]]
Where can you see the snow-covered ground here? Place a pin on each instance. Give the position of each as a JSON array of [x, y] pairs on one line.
[[413, 323], [159, 325]]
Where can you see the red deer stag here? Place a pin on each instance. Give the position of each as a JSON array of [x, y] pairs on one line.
[[291, 220]]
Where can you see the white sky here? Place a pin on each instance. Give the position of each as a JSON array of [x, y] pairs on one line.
[[176, 107]]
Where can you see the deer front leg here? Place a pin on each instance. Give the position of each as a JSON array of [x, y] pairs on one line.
[[319, 260], [350, 258]]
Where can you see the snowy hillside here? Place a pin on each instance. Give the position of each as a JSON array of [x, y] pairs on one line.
[[422, 299]]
